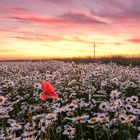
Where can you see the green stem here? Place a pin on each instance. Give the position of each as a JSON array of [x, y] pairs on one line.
[[95, 137], [17, 108], [81, 131], [129, 131], [53, 134], [61, 124], [108, 137], [4, 125]]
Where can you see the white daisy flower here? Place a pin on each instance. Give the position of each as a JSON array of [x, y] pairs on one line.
[[134, 99], [128, 100], [115, 93], [2, 100], [104, 106], [129, 108], [15, 126]]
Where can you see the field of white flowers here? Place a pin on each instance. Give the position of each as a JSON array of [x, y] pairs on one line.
[[96, 101]]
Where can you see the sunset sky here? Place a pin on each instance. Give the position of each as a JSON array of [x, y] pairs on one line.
[[68, 28]]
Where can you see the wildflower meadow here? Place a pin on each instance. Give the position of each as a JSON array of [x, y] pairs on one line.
[[93, 101]]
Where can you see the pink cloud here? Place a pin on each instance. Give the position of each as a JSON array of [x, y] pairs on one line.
[[13, 31], [25, 15], [4, 5], [38, 37], [115, 9], [134, 40], [20, 11], [64, 20], [80, 18], [124, 15], [57, 1], [12, 9]]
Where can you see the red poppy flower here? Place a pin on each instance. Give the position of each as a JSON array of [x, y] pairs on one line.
[[48, 91]]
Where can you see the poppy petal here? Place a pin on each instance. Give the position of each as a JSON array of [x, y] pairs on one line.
[[48, 91], [53, 95], [43, 97], [47, 87]]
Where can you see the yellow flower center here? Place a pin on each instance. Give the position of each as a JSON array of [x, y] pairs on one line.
[[80, 117], [30, 138], [94, 119], [104, 119]]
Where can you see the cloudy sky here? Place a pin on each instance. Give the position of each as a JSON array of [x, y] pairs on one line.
[[67, 28]]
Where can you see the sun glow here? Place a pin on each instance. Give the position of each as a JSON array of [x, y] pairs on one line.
[[27, 33]]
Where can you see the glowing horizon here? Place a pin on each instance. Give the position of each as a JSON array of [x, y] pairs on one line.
[[62, 28]]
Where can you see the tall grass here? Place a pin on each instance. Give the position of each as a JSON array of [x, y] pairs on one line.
[[118, 59]]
